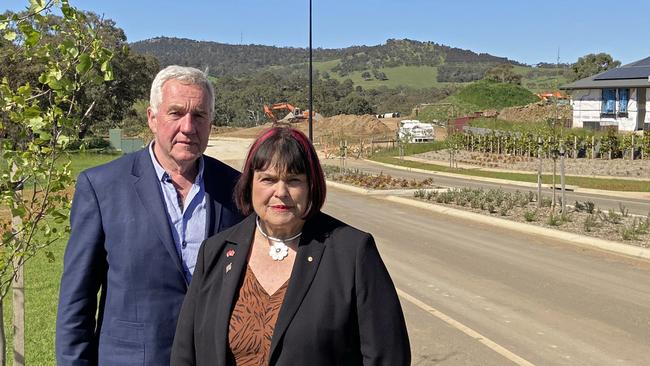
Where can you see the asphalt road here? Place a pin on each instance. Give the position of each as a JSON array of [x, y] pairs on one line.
[[635, 205], [478, 295], [474, 294]]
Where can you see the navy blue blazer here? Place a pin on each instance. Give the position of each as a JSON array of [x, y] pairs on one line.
[[121, 246], [340, 308]]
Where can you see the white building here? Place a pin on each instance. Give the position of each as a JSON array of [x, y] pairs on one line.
[[615, 98]]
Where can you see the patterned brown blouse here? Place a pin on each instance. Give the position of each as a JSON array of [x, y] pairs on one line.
[[252, 321]]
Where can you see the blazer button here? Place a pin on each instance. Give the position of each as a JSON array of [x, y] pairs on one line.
[[184, 244]]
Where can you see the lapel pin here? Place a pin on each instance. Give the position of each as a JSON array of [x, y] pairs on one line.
[[230, 253], [310, 258], [228, 267]]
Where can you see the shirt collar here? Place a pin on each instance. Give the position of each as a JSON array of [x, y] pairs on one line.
[[163, 176]]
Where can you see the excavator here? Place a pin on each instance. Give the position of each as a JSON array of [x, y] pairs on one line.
[[550, 96], [297, 115]]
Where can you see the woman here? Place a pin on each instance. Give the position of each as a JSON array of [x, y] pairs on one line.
[[289, 285]]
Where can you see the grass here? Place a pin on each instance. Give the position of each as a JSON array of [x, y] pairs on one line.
[[412, 76], [426, 77], [412, 149], [582, 182], [42, 288]]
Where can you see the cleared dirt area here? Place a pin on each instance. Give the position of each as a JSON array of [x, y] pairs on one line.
[[349, 127]]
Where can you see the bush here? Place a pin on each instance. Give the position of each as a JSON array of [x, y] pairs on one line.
[[488, 94], [88, 143], [530, 216], [590, 223]]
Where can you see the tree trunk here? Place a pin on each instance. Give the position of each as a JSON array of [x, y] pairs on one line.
[[3, 338], [18, 301], [18, 296]]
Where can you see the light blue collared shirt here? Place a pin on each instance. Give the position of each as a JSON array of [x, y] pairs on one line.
[[188, 221]]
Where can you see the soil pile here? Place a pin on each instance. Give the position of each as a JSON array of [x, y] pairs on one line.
[[349, 127], [352, 126], [536, 112]]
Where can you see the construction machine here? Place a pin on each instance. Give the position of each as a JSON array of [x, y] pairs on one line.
[[549, 97], [295, 114]]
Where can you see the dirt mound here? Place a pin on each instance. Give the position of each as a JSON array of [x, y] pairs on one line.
[[349, 127], [536, 112], [353, 126]]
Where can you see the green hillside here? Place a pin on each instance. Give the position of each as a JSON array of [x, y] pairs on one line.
[[475, 97], [412, 76], [534, 79]]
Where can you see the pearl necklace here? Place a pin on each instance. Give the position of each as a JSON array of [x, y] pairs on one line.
[[279, 249]]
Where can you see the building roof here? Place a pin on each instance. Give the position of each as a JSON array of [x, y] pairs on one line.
[[633, 75]]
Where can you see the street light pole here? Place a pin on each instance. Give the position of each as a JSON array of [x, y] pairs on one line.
[[563, 206], [311, 82], [540, 142]]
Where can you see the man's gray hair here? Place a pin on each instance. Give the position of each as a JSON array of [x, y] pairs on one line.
[[186, 75]]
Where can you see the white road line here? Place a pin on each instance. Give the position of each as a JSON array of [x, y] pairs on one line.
[[463, 328]]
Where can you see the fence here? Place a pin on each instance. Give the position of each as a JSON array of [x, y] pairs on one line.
[[124, 144]]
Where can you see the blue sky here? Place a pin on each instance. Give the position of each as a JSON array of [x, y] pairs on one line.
[[522, 30]]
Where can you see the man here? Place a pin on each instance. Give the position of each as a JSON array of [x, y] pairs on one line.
[[137, 224]]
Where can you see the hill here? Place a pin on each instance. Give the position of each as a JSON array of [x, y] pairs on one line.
[[238, 60]]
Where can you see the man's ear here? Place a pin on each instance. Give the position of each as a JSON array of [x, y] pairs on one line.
[[151, 120]]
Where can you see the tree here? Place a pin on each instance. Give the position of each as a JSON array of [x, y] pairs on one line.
[[354, 104], [503, 73], [132, 73], [592, 64], [34, 116]]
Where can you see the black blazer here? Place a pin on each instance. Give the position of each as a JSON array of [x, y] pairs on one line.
[[340, 307]]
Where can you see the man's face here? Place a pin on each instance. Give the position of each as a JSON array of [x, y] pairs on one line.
[[182, 124]]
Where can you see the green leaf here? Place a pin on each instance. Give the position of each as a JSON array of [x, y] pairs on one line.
[[36, 6], [68, 11], [36, 123], [32, 38], [10, 36], [73, 51], [84, 63], [108, 76]]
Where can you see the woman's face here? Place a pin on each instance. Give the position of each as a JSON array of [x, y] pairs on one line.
[[280, 200]]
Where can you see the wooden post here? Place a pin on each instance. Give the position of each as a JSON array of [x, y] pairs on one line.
[[593, 147]]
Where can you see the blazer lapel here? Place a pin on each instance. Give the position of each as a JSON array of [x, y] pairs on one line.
[[232, 270], [148, 190], [213, 207], [304, 270]]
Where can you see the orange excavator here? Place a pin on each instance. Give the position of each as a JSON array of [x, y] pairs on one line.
[[549, 96], [297, 115]]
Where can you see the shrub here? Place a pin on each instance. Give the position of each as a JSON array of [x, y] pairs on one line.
[[88, 143], [587, 206], [611, 216], [554, 220], [530, 216], [624, 211], [590, 223]]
